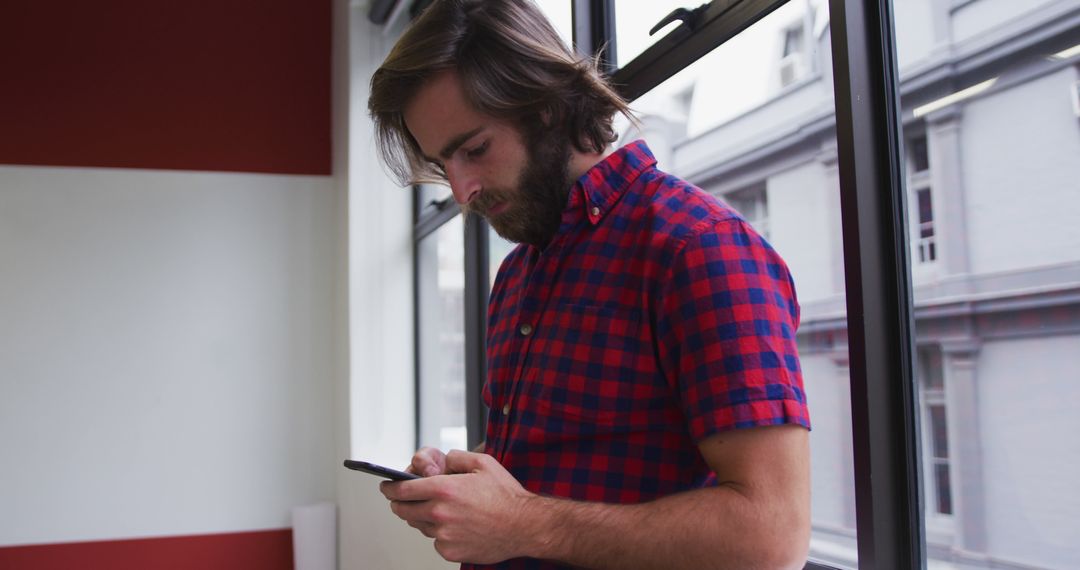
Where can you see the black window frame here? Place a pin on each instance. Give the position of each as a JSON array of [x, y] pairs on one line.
[[889, 522]]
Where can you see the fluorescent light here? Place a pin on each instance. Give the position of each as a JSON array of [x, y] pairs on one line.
[[1067, 54], [955, 97]]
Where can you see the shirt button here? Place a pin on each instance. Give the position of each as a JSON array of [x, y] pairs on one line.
[[506, 409], [595, 211], [525, 330]]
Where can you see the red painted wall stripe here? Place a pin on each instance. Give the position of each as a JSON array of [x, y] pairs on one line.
[[261, 550], [235, 85]]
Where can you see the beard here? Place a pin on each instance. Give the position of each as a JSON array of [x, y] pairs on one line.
[[532, 211]]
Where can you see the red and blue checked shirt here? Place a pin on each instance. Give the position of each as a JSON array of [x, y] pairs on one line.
[[655, 318]]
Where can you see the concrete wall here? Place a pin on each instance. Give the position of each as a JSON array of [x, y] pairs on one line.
[[1021, 175], [1028, 394]]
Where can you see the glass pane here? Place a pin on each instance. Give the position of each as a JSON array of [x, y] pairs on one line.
[[430, 197], [498, 249], [995, 181], [939, 427], [560, 13], [441, 293], [942, 487], [768, 148], [633, 20], [739, 86], [919, 154]]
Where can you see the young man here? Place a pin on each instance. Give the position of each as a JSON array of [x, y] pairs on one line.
[[646, 403]]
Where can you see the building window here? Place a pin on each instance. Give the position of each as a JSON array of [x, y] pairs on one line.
[[935, 429], [792, 58], [924, 243], [927, 248], [753, 205]]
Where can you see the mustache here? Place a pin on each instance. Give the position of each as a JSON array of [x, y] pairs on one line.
[[483, 203]]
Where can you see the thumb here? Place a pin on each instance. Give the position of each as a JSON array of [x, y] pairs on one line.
[[458, 461]]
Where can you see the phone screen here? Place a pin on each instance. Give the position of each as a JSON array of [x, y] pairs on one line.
[[379, 470]]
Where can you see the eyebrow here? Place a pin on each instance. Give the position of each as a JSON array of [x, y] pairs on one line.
[[456, 142]]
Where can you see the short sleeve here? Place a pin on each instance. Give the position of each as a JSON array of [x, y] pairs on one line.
[[726, 323]]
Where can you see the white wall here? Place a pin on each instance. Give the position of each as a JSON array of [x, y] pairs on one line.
[[1031, 499], [1021, 175], [165, 351]]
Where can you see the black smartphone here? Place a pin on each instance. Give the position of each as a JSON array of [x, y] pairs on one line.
[[379, 470]]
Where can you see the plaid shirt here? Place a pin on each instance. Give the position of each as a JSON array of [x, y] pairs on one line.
[[654, 319]]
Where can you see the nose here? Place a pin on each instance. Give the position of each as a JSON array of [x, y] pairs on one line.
[[464, 184]]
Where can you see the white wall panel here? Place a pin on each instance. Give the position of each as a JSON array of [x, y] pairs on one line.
[[166, 351]]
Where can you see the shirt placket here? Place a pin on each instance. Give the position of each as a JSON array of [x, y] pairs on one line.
[[538, 288]]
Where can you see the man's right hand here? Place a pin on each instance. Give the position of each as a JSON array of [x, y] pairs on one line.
[[428, 462]]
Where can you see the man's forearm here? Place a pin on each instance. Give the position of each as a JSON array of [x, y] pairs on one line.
[[720, 527]]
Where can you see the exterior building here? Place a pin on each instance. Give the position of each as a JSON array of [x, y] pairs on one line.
[[991, 119]]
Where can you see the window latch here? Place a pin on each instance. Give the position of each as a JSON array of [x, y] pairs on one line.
[[689, 18], [441, 205]]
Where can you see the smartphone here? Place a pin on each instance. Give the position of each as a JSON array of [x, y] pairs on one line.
[[379, 470]]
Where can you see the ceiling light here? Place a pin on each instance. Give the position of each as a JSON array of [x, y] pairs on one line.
[[954, 98]]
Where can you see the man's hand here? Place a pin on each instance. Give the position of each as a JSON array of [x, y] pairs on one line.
[[476, 512]]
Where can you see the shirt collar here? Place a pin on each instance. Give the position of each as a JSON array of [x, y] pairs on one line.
[[601, 186]]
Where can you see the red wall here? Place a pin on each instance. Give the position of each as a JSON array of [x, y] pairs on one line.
[[234, 85], [263, 550]]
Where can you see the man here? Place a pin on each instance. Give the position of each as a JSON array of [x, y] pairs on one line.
[[647, 408]]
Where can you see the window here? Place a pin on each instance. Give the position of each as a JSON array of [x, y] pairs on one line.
[[935, 430], [635, 20], [923, 239], [440, 267], [752, 203], [986, 167], [792, 59], [925, 245]]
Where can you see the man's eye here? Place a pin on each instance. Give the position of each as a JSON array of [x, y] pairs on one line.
[[478, 151]]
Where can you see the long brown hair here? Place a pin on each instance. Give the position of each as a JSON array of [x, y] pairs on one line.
[[512, 65]]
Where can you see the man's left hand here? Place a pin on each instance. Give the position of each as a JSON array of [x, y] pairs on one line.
[[476, 512]]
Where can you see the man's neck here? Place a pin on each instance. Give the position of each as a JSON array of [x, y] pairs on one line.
[[581, 162]]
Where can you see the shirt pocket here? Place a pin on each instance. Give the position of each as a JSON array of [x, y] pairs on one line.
[[592, 373]]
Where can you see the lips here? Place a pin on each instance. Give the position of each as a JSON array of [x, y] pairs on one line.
[[498, 208]]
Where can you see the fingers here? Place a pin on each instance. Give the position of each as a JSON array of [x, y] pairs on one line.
[[427, 462], [466, 462], [415, 489], [413, 512]]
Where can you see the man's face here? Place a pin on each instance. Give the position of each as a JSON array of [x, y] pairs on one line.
[[518, 182]]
